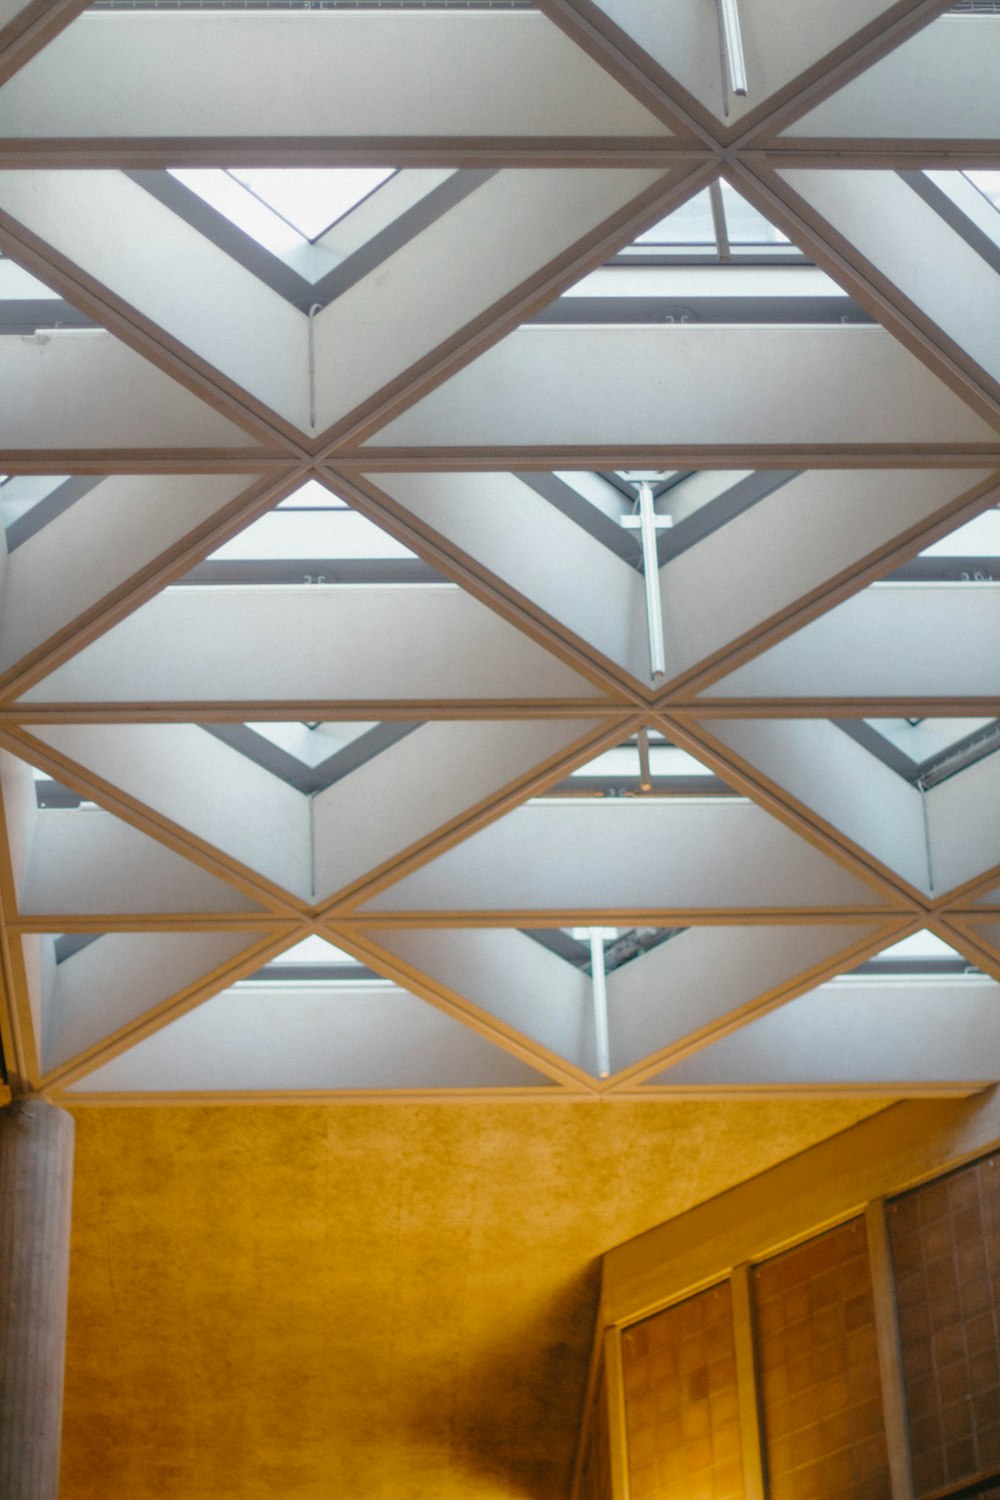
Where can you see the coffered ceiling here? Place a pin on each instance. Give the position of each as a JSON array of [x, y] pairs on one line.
[[323, 609]]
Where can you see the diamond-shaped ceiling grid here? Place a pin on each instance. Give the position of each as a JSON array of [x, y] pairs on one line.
[[328, 611]]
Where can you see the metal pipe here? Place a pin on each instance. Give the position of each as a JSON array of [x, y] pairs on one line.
[[645, 779], [651, 576], [599, 988], [729, 22]]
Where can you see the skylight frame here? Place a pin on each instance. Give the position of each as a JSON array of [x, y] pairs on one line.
[[281, 276], [311, 780]]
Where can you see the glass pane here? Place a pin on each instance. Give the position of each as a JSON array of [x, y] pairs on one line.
[[744, 225], [312, 198], [681, 1408], [690, 225], [945, 1241], [820, 1389]]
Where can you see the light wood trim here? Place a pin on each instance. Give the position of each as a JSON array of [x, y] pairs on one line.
[[833, 591], [781, 994], [751, 1430], [833, 72], [533, 783], [194, 994], [274, 900], [743, 777], [614, 1396], [168, 567], [870, 287], [889, 1357], [893, 1150], [530, 296]]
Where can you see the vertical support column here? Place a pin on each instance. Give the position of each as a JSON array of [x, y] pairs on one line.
[[889, 1362], [746, 1384], [614, 1387], [36, 1185]]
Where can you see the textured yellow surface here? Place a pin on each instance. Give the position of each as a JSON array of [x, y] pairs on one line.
[[381, 1302]]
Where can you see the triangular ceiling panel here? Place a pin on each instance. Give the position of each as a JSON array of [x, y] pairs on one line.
[[940, 1035], [80, 390], [301, 363], [72, 858], [309, 1038], [549, 389], [679, 990], [129, 525], [498, 74], [302, 644], [935, 833], [937, 85], [201, 779], [538, 533], [101, 989], [621, 855]]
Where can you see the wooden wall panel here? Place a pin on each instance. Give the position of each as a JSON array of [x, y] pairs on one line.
[[681, 1408], [819, 1372], [945, 1241]]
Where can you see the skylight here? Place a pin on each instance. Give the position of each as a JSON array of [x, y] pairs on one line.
[[312, 961], [718, 222], [689, 505], [646, 764], [621, 945], [923, 954], [284, 209], [970, 554], [313, 537], [310, 757], [312, 199], [926, 751]]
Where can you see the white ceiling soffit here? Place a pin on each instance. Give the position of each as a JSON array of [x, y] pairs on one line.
[[829, 520], [910, 640], [926, 1036], [310, 73], [782, 40], [109, 985], [310, 1038], [312, 373], [937, 85], [631, 856], [681, 387], [935, 841], [81, 391], [677, 993], [84, 861], [353, 643]]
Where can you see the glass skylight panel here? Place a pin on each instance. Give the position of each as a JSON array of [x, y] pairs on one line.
[[979, 537], [988, 184], [621, 944], [657, 768], [287, 209], [310, 756], [730, 226], [922, 955], [311, 199], [926, 751], [315, 962], [313, 538], [312, 744]]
